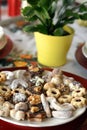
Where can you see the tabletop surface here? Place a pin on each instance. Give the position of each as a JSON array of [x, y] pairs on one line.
[[26, 43]]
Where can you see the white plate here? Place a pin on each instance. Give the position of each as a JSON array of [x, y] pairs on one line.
[[47, 122], [84, 51]]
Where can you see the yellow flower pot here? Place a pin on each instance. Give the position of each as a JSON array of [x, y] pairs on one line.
[[52, 50], [82, 22]]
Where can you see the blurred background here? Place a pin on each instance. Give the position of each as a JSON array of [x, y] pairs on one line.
[[4, 2], [11, 8]]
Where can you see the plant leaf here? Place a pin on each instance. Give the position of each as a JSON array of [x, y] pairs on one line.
[[33, 13], [28, 12], [34, 28], [83, 16], [58, 32], [52, 9], [33, 2], [49, 16], [42, 14], [46, 3], [68, 2], [82, 8]]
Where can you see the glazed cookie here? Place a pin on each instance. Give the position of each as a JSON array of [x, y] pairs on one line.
[[19, 73], [62, 114], [2, 77], [74, 85], [65, 99], [8, 105], [56, 80], [1, 100], [53, 92], [9, 75], [19, 97], [33, 68], [18, 82], [49, 85], [18, 115], [34, 99], [38, 89], [45, 105], [34, 109], [67, 80], [4, 111], [5, 92], [78, 102], [57, 71], [18, 90], [64, 89], [22, 106], [79, 92]]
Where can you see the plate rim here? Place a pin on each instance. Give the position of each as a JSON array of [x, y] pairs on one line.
[[8, 47], [83, 51], [80, 58], [20, 123]]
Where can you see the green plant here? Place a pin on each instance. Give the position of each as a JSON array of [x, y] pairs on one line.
[[50, 16]]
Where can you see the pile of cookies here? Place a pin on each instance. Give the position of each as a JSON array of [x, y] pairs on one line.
[[36, 94]]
